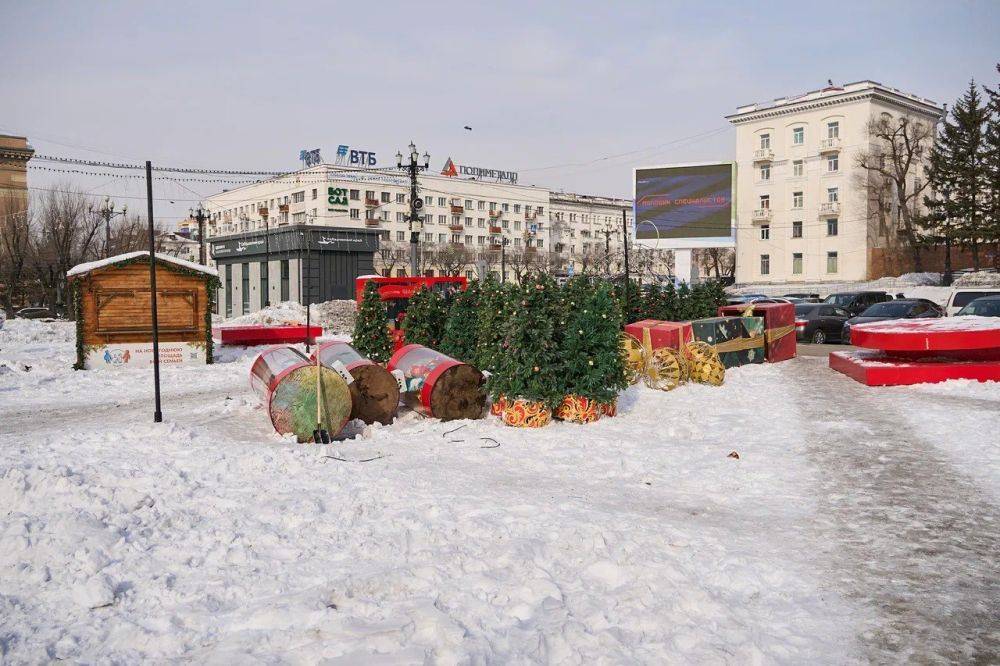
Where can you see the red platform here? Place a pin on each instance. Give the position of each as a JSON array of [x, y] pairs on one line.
[[259, 334], [923, 351]]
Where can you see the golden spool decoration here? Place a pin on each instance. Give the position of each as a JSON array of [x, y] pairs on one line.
[[666, 369], [634, 357], [705, 366]]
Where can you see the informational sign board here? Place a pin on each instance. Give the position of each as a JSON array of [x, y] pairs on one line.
[[140, 355], [686, 205]]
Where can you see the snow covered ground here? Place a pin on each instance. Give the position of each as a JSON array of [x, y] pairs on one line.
[[857, 525]]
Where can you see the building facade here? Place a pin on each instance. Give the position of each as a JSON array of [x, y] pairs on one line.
[[15, 151], [469, 227], [803, 210]]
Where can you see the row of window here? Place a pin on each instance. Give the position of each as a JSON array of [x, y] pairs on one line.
[[402, 236], [799, 135], [263, 296], [832, 229], [798, 198], [797, 263], [798, 169]]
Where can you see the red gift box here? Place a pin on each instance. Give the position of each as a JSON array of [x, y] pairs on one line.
[[654, 334], [779, 327]]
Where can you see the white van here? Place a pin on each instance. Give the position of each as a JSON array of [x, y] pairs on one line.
[[964, 295]]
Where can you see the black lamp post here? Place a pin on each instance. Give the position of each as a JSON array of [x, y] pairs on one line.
[[416, 205]]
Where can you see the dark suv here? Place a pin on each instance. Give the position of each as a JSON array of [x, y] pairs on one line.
[[856, 302]]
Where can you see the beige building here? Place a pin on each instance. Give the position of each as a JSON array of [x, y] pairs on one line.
[[464, 222], [15, 151], [802, 210]]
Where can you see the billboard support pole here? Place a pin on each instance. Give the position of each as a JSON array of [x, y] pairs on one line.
[[625, 239]]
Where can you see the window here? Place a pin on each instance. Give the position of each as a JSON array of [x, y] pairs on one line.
[[765, 264], [481, 205], [468, 239], [765, 141], [355, 214], [229, 290], [401, 217], [831, 262], [442, 238], [315, 193], [833, 130], [400, 198], [385, 216], [765, 172], [468, 204], [797, 263], [517, 208], [517, 225], [299, 218], [797, 169], [245, 270], [481, 222], [265, 294], [298, 197], [831, 226], [386, 196], [400, 272], [833, 163], [833, 194], [442, 219], [370, 195], [505, 207], [493, 206], [799, 136], [538, 242], [765, 201], [355, 195], [797, 200], [765, 232], [428, 238], [796, 229], [441, 201], [400, 236]]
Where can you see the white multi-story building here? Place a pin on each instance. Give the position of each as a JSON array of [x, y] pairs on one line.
[[803, 214], [566, 233]]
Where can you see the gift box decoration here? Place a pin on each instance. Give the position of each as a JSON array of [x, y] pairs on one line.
[[779, 327], [737, 342], [653, 333]]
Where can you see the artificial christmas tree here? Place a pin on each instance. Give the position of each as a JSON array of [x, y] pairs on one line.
[[371, 332], [493, 297], [461, 329], [425, 318], [684, 310], [592, 368], [528, 365]]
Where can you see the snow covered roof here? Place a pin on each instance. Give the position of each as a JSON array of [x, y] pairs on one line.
[[80, 269]]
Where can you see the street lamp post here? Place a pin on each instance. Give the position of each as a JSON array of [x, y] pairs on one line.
[[416, 204], [200, 215], [107, 212]]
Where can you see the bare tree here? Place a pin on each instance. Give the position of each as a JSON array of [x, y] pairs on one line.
[[895, 160], [392, 255], [15, 243], [720, 260], [452, 258]]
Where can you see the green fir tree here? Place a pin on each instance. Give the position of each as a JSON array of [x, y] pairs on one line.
[[589, 348], [670, 304], [461, 329], [371, 332], [425, 318], [991, 173], [652, 302], [493, 297], [684, 309]]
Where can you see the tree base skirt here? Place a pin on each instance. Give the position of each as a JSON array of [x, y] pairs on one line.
[[608, 408], [521, 413], [498, 405], [578, 409]]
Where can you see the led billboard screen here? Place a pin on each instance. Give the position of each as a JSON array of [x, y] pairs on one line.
[[690, 201]]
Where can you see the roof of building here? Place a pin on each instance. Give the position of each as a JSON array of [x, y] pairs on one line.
[[835, 95], [81, 269]]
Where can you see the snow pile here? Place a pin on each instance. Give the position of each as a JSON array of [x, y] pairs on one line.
[[23, 331], [909, 280], [978, 279], [336, 316]]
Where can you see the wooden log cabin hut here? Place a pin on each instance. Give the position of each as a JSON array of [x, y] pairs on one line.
[[111, 299]]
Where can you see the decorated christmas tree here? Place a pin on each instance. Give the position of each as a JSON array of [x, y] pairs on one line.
[[590, 354], [629, 297], [701, 303], [652, 302], [425, 318], [371, 333], [461, 329], [528, 364], [670, 309], [684, 308], [493, 297]]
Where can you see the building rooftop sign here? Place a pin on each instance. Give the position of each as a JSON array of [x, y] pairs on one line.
[[453, 170]]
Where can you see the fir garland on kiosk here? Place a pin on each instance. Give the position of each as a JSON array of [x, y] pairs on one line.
[[371, 332]]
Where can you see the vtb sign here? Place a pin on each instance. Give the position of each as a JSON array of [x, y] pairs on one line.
[[349, 156]]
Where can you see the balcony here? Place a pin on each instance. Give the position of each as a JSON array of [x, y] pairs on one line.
[[494, 214], [456, 227], [831, 145], [371, 203], [761, 215], [457, 210], [763, 155], [529, 215], [371, 223], [829, 209], [496, 230], [283, 208], [262, 211]]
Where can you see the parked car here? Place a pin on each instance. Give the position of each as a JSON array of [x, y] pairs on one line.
[[803, 296], [33, 313], [857, 302], [984, 306], [819, 323], [745, 298], [962, 297], [910, 308]]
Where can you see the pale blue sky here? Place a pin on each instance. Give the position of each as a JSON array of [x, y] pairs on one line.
[[246, 85]]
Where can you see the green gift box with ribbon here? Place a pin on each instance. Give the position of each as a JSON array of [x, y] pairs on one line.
[[739, 340]]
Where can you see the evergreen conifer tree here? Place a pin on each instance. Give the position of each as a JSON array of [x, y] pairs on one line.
[[589, 350], [425, 319], [461, 329], [652, 302], [670, 304], [371, 332], [493, 296], [684, 309], [528, 363], [991, 168]]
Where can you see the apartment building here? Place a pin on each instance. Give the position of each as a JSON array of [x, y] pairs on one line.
[[803, 214], [15, 151]]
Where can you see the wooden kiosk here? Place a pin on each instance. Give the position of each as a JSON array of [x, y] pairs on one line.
[[111, 300]]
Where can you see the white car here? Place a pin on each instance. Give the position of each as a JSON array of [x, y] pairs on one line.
[[965, 295]]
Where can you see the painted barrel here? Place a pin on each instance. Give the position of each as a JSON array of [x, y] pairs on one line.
[[438, 385], [374, 391], [286, 383]]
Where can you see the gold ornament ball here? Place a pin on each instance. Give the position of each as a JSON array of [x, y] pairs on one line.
[[590, 363]]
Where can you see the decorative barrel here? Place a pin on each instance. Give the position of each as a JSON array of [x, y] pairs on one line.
[[374, 391], [286, 383], [438, 385]]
